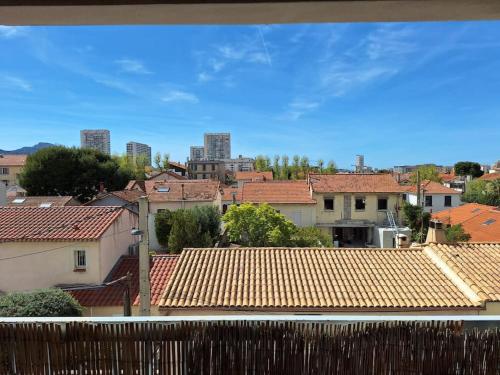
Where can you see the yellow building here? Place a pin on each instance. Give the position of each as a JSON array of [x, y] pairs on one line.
[[11, 167], [356, 208]]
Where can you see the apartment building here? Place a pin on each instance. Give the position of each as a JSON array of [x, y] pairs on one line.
[[217, 146], [196, 153], [136, 149], [206, 169], [357, 209], [11, 167], [240, 164], [96, 139]]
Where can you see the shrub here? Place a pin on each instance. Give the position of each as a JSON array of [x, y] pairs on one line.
[[311, 237], [456, 233], [163, 226]]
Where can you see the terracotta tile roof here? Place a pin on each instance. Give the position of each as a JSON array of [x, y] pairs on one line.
[[135, 185], [194, 190], [276, 192], [473, 218], [54, 201], [447, 177], [167, 175], [311, 278], [12, 160], [490, 176], [161, 268], [131, 196], [354, 183], [478, 264], [253, 176], [69, 223], [177, 165], [227, 193], [430, 187]]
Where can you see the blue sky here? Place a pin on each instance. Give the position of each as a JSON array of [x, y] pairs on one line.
[[399, 93]]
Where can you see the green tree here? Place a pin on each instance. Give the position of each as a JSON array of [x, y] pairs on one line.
[[77, 172], [135, 167], [414, 216], [311, 237], [258, 226], [321, 164], [39, 303], [163, 226], [165, 161], [468, 168], [427, 172], [276, 167], [456, 233], [208, 218], [157, 160], [304, 166], [331, 167], [262, 163], [285, 168], [295, 166], [483, 192]]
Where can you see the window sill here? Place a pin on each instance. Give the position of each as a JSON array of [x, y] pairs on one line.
[[80, 270]]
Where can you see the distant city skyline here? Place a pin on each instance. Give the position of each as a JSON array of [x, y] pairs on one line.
[[397, 93]]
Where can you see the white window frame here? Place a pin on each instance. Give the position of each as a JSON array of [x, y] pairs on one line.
[[80, 260]]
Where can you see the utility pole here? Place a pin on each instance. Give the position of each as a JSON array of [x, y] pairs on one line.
[[144, 284], [127, 304], [418, 188]]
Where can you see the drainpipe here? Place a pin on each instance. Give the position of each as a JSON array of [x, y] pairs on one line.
[[144, 282]]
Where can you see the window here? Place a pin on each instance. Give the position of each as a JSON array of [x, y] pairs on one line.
[[328, 204], [382, 204], [160, 210], [447, 200], [204, 167], [405, 197], [213, 167], [360, 203], [4, 170], [428, 200], [224, 208], [80, 260]]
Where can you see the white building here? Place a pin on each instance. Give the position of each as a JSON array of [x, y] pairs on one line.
[[96, 139], [197, 153], [241, 164], [433, 196], [136, 149], [217, 146]]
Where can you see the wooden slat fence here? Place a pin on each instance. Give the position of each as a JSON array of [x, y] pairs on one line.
[[247, 347]]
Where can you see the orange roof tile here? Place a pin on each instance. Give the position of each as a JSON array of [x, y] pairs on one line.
[[37, 201], [161, 268], [194, 190], [311, 278], [354, 183], [68, 223], [431, 187], [478, 264], [135, 185], [254, 176], [166, 175], [276, 192], [473, 218], [490, 176], [12, 160], [447, 176]]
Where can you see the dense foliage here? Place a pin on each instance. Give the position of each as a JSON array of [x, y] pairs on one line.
[[43, 302], [483, 192], [427, 172], [196, 227], [456, 233], [298, 168], [263, 226], [468, 168], [414, 217], [73, 171]]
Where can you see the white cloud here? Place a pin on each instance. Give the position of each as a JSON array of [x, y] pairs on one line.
[[132, 66], [11, 31], [111, 83], [180, 96], [216, 65], [298, 108], [15, 82], [204, 77]]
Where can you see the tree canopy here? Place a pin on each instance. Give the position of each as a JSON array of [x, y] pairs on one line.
[[73, 171], [427, 172], [414, 217], [483, 192], [262, 226], [468, 168], [456, 233], [298, 168], [43, 302]]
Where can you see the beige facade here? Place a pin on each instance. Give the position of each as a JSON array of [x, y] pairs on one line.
[[11, 167], [38, 264], [302, 215]]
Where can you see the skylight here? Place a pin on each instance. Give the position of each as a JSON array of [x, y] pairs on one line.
[[18, 200], [475, 210], [45, 204], [489, 221], [163, 189]]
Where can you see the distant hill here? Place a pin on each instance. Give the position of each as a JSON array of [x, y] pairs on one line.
[[27, 150]]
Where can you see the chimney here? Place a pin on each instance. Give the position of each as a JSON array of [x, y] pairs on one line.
[[182, 191], [101, 187], [234, 197], [436, 233], [3, 194]]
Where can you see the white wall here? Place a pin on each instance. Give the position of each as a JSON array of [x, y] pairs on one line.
[[437, 201]]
